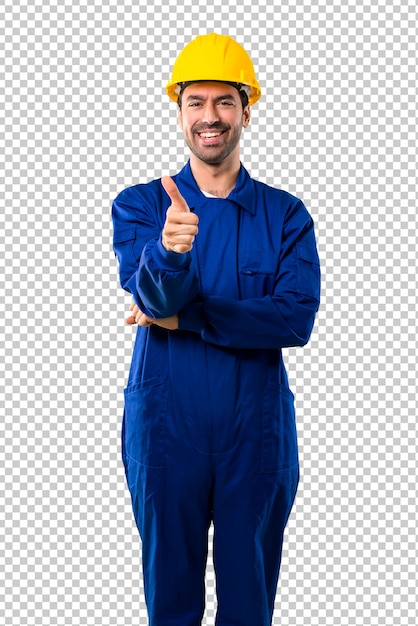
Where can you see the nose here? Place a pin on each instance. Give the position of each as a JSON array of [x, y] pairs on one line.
[[210, 113]]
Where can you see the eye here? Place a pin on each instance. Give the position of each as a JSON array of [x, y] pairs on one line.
[[194, 104], [226, 103]]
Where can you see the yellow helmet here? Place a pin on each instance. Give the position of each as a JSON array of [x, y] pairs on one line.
[[214, 57]]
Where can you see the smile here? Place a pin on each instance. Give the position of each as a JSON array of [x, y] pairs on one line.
[[211, 135]]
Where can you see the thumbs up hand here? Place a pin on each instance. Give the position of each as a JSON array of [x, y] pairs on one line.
[[180, 228]]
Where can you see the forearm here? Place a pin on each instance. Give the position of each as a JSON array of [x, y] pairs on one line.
[[165, 281], [265, 323]]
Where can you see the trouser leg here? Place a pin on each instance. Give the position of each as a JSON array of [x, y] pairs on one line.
[[173, 513], [256, 478], [249, 522]]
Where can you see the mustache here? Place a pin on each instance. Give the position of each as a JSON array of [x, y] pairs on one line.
[[201, 128]]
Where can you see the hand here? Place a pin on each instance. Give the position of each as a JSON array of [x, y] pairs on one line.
[[138, 317], [180, 228]]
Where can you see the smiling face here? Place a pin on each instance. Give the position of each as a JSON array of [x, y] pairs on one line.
[[212, 118]]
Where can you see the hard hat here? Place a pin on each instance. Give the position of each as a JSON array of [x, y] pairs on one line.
[[214, 57]]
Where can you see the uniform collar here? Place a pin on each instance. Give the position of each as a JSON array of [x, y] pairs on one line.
[[243, 193]]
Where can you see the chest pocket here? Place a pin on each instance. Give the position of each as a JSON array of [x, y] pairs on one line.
[[124, 236], [256, 275]]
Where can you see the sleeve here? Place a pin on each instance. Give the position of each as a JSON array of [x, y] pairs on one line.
[[282, 319], [161, 282]]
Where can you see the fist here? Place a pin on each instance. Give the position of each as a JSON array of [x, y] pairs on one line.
[[180, 228]]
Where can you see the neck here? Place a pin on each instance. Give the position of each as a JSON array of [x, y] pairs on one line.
[[216, 179]]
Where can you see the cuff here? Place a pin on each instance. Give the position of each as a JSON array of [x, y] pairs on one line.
[[167, 260]]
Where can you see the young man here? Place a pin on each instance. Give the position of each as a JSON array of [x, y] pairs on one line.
[[224, 273]]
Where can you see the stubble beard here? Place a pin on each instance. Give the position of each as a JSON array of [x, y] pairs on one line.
[[215, 155]]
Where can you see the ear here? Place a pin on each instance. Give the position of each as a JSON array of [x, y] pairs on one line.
[[180, 118], [246, 116]]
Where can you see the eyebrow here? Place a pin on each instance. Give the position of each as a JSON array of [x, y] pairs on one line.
[[227, 96]]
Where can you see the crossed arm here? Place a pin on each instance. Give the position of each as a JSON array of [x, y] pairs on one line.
[[284, 318]]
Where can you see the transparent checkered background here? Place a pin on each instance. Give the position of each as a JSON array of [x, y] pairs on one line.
[[83, 115]]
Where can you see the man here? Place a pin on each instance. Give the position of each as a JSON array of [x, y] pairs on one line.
[[224, 273]]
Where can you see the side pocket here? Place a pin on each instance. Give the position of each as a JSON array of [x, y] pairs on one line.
[[144, 422], [279, 441], [309, 277]]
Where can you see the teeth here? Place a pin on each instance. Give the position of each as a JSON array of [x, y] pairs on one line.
[[210, 135]]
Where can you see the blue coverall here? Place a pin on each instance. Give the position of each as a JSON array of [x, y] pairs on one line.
[[209, 429]]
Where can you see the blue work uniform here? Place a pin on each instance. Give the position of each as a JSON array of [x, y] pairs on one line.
[[209, 432]]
